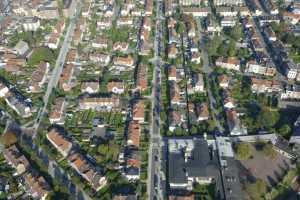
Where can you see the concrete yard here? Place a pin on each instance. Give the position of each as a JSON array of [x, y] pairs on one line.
[[267, 169]]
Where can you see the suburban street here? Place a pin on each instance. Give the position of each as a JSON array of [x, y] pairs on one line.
[[56, 72], [207, 70], [154, 164]]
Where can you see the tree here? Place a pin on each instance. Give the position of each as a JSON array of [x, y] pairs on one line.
[[284, 130], [269, 151], [266, 118], [243, 151], [231, 48], [9, 138], [236, 32], [257, 189]]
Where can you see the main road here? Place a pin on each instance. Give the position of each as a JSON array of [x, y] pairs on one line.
[[154, 163], [56, 72]]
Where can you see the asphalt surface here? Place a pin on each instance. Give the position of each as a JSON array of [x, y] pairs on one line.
[[56, 72], [154, 164]]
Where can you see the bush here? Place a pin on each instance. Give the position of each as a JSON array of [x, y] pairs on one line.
[[257, 189], [243, 151]]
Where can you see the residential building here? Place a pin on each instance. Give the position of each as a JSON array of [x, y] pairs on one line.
[[90, 87], [234, 124], [127, 61], [56, 114], [39, 77], [265, 86], [21, 48], [116, 87], [100, 103], [30, 23], [295, 137], [101, 58], [36, 185], [141, 80], [17, 160], [65, 77], [87, 170], [291, 92], [202, 112], [230, 63], [228, 2], [223, 81], [197, 11], [57, 138], [133, 134], [138, 111]]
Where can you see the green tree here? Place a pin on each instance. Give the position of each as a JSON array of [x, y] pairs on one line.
[[284, 130], [236, 32], [256, 190], [243, 151], [266, 118], [231, 48], [269, 151]]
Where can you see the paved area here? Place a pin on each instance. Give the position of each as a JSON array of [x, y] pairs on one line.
[[260, 166]]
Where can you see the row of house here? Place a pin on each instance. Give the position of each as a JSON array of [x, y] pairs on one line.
[[35, 184], [15, 100], [130, 160], [92, 174]]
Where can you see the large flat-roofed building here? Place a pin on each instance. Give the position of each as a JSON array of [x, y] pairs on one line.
[[192, 161]]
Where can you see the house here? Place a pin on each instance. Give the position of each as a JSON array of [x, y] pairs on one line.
[[148, 7], [198, 83], [65, 77], [175, 93], [21, 48], [125, 21], [172, 73], [230, 63], [4, 90], [175, 120], [226, 12], [228, 101], [291, 69], [59, 141], [172, 51], [30, 23], [270, 34], [191, 28], [197, 11], [116, 87], [266, 68], [17, 160], [202, 112], [234, 124], [133, 135], [290, 92], [87, 170], [141, 80], [295, 137], [100, 58], [100, 42], [127, 61], [47, 13], [133, 164], [228, 21], [100, 103], [265, 86], [17, 103], [36, 185], [228, 2], [290, 17], [138, 111], [104, 23], [121, 46], [191, 161], [55, 116], [223, 81], [90, 87], [39, 77], [196, 57], [147, 23]]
